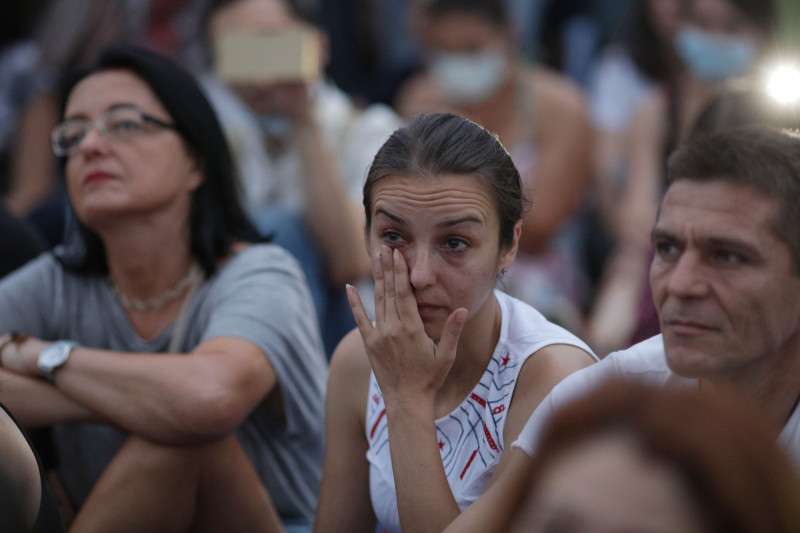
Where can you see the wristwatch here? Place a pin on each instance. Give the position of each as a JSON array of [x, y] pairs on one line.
[[54, 356]]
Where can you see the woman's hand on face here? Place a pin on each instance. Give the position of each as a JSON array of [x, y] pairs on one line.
[[20, 355], [407, 363]]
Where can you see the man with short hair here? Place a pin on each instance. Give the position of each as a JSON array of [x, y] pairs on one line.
[[726, 283]]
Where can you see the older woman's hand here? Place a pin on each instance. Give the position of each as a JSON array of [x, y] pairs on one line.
[[19, 353], [407, 363]]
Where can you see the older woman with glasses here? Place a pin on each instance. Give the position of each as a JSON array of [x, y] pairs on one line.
[[180, 395]]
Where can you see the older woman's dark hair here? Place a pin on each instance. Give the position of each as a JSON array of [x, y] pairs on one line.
[[763, 158], [216, 218], [433, 146], [734, 472]]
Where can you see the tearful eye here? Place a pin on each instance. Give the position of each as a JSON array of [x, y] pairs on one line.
[[392, 237], [455, 245]]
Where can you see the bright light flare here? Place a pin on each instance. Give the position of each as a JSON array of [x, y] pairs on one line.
[[783, 84]]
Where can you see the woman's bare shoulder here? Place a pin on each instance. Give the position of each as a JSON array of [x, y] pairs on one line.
[[350, 354], [348, 378], [554, 91]]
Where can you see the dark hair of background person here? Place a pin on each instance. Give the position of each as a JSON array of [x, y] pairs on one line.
[[216, 218], [638, 37], [492, 10], [299, 10], [765, 159], [438, 145], [739, 106], [17, 20], [738, 477], [763, 14]]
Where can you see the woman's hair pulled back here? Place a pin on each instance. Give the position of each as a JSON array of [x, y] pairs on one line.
[[438, 145]]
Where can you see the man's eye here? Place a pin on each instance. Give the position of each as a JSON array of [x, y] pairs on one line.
[[727, 257], [666, 249]]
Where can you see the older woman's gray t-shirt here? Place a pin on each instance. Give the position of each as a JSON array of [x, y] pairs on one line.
[[260, 295]]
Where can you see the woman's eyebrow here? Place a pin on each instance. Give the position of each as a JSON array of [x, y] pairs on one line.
[[120, 105], [463, 220], [384, 212]]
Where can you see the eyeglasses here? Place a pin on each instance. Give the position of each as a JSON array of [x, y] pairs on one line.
[[117, 124]]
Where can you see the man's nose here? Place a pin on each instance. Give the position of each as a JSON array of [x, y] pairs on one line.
[[688, 277]]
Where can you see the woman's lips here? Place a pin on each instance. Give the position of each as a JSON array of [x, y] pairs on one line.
[[426, 310]]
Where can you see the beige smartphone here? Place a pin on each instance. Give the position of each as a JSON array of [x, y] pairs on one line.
[[278, 56]]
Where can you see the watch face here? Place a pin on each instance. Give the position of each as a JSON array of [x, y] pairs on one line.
[[54, 355]]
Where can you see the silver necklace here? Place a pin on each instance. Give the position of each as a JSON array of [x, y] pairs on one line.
[[192, 278]]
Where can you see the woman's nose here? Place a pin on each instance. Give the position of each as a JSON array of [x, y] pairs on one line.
[[421, 271]]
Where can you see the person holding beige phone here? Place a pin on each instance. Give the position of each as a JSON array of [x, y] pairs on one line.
[[301, 145]]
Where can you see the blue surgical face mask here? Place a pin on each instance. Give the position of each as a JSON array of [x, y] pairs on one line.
[[275, 126], [714, 57], [469, 77]]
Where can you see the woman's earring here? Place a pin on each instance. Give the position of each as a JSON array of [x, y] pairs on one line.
[[504, 271]]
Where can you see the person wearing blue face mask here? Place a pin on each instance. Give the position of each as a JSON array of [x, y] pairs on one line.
[[474, 69], [713, 57], [723, 38]]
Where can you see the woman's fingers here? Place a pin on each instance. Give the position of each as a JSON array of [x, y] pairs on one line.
[[406, 302], [359, 313], [380, 296], [452, 331], [389, 287]]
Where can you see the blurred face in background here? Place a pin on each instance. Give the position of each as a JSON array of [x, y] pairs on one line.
[[608, 485], [718, 41], [722, 17], [265, 97], [666, 16], [469, 56]]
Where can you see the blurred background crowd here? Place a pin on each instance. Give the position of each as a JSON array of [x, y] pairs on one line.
[[587, 96]]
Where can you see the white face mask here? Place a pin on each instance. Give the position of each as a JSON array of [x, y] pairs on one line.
[[469, 77]]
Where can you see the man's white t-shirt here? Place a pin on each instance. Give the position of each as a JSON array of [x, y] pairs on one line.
[[644, 362]]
